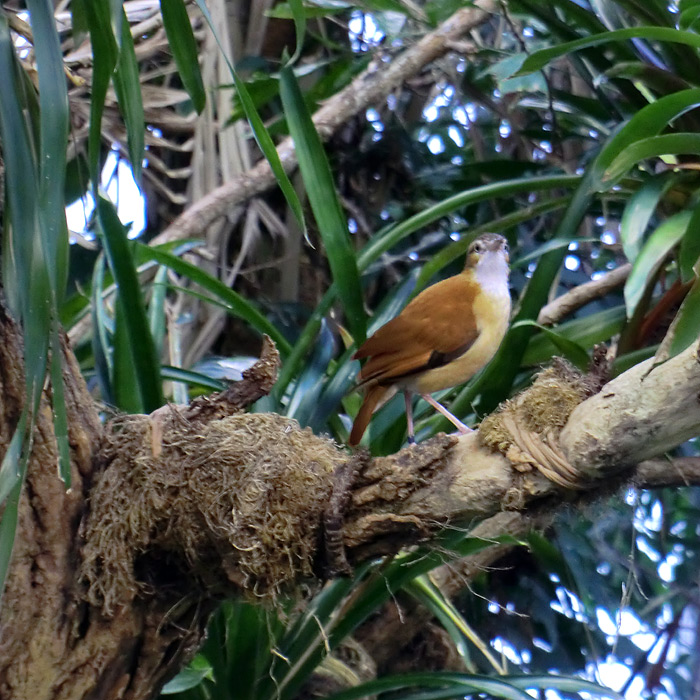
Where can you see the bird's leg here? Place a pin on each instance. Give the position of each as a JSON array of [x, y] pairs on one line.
[[409, 417], [450, 417]]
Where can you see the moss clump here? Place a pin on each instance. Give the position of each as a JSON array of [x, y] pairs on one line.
[[231, 506], [544, 408]]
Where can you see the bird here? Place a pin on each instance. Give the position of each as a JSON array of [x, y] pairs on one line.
[[442, 338]]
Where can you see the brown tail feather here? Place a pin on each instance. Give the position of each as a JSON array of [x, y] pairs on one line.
[[373, 396]]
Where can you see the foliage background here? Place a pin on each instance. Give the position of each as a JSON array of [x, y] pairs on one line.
[[569, 126]]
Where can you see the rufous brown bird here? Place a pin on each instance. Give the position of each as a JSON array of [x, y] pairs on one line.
[[442, 338]]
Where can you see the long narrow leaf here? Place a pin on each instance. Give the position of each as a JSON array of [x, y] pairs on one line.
[[26, 275], [539, 59], [105, 54], [652, 147], [146, 366], [638, 213], [458, 686], [127, 86], [128, 396], [58, 402], [299, 16], [570, 349], [685, 328], [653, 254], [323, 198], [384, 242], [100, 344], [182, 43], [52, 246], [8, 527], [156, 309]]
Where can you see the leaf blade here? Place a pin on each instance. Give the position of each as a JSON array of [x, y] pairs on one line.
[[183, 44], [323, 198]]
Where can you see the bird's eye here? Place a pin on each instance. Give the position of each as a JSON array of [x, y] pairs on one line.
[[505, 248], [478, 248]]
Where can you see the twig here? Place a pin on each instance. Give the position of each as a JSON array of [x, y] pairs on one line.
[[579, 296]]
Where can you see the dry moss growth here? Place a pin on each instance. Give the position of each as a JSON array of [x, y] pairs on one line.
[[542, 408], [233, 505]]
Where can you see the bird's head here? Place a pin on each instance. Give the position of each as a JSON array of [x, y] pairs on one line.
[[488, 251]]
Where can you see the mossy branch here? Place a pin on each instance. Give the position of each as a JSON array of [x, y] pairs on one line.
[[114, 580], [238, 505]]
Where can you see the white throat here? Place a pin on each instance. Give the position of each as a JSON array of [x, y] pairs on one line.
[[492, 273]]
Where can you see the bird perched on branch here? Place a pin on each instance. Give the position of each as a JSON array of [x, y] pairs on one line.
[[442, 338]]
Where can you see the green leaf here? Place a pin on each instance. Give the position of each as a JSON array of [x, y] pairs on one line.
[[689, 19], [234, 302], [58, 403], [8, 527], [127, 86], [457, 685], [585, 332], [308, 387], [647, 122], [452, 685], [156, 308], [299, 15], [429, 595], [249, 633], [50, 250], [654, 252], [189, 677], [570, 349], [146, 366], [100, 342], [685, 328], [53, 104], [690, 249], [652, 147], [187, 376], [79, 23], [127, 393], [183, 44], [539, 59], [11, 468], [638, 213], [323, 198], [105, 54]]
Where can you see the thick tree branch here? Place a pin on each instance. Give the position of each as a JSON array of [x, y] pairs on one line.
[[403, 621], [637, 416], [371, 86], [229, 505]]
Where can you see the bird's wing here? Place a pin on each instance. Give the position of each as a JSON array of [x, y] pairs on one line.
[[434, 329]]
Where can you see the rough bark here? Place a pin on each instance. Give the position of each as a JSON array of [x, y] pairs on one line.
[[58, 638]]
